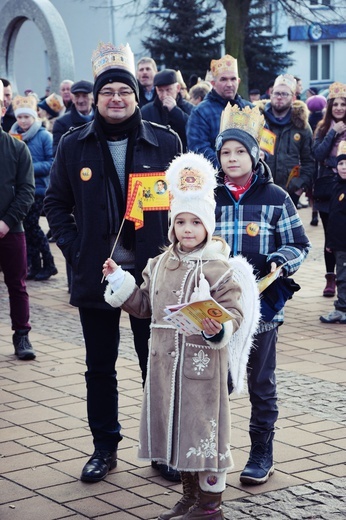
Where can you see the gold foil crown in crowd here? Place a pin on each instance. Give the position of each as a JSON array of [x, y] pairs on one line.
[[336, 90], [55, 102], [225, 64], [25, 102], [288, 80], [341, 148], [248, 119], [108, 56]]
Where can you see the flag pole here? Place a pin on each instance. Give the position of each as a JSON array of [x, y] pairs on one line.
[[115, 243]]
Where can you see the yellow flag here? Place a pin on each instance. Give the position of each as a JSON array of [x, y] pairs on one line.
[[134, 207]]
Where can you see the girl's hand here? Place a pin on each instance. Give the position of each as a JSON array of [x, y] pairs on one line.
[[211, 327], [109, 267]]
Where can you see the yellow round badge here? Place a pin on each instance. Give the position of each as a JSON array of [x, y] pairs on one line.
[[296, 137], [85, 174], [341, 197], [252, 229]]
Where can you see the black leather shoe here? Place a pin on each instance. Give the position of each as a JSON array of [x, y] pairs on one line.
[[98, 466], [166, 472]]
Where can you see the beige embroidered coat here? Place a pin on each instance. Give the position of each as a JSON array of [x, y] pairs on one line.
[[185, 419]]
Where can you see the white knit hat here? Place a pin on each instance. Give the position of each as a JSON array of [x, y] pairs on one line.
[[191, 180]]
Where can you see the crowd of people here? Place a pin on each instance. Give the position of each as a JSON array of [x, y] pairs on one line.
[[236, 170]]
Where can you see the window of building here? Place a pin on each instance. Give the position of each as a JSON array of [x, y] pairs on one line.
[[320, 2], [320, 62]]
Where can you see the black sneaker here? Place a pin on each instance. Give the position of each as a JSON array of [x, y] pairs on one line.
[[22, 347]]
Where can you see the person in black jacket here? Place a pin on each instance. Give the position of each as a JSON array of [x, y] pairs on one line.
[[85, 207], [336, 238], [169, 107], [81, 111], [8, 119]]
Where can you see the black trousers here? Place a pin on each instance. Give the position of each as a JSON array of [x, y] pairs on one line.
[[102, 335]]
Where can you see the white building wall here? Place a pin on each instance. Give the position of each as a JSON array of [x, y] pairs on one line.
[[87, 26]]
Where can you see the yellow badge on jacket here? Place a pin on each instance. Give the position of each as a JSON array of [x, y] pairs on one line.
[[252, 229], [85, 174], [296, 137], [341, 197]]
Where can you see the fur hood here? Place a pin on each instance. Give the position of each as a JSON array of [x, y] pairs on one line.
[[299, 112]]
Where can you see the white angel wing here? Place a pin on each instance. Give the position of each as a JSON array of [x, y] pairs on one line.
[[242, 340]]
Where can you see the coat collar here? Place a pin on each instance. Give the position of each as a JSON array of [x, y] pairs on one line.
[[145, 132]]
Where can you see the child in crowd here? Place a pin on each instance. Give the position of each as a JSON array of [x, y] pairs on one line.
[[29, 129], [259, 221], [188, 427], [336, 238]]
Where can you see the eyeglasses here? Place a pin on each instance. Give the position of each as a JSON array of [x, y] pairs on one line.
[[281, 94], [111, 93]]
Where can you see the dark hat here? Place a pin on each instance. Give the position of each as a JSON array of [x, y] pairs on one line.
[[234, 134], [114, 75], [254, 91], [313, 91], [165, 77], [82, 86]]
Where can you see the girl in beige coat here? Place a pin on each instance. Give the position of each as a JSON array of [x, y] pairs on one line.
[[185, 421]]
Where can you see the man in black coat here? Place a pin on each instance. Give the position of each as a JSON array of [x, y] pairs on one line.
[[169, 107], [85, 206], [8, 119], [81, 111]]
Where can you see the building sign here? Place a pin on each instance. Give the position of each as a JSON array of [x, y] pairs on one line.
[[316, 32]]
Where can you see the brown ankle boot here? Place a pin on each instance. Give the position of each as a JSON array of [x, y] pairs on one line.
[[329, 289], [207, 506], [190, 494]]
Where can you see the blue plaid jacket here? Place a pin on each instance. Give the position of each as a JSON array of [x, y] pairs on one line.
[[263, 225]]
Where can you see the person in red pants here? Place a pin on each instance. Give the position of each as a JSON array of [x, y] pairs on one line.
[[17, 189]]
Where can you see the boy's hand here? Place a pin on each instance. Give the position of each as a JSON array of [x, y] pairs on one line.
[[211, 327], [109, 267]]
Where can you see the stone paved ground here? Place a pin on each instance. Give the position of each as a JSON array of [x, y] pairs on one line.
[[44, 439]]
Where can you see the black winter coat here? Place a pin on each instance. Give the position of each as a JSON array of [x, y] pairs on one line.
[[76, 205], [336, 236], [71, 119], [176, 118]]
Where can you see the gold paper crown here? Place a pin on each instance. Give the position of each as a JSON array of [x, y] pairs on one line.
[[341, 148], [208, 76], [225, 64], [288, 80], [25, 102], [336, 90], [107, 56], [180, 79], [55, 102], [248, 119]]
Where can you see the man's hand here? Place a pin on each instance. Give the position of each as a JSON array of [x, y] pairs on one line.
[[4, 229], [169, 102]]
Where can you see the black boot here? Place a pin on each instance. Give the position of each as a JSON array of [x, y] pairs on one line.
[[190, 495], [34, 267], [260, 465], [47, 271]]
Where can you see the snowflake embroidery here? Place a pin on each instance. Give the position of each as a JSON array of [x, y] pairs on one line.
[[207, 447], [200, 362]]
